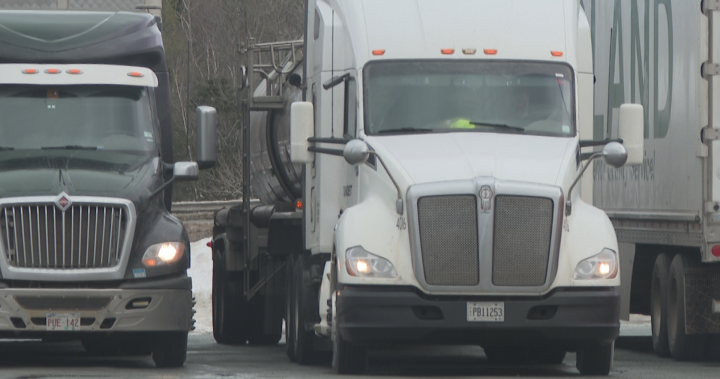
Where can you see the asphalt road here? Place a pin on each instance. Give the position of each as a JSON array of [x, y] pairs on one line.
[[206, 359]]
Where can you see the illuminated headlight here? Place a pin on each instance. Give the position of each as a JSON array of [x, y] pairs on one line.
[[163, 254], [361, 263], [601, 266]]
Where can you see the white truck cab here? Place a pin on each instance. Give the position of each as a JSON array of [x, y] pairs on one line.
[[454, 219]]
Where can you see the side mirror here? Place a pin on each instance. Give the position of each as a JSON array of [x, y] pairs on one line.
[[206, 137], [632, 125], [302, 127], [615, 155], [356, 152], [186, 171]]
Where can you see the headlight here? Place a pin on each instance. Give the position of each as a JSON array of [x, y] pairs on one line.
[[361, 263], [163, 254], [601, 266]]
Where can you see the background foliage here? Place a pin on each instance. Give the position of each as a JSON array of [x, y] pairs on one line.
[[204, 42]]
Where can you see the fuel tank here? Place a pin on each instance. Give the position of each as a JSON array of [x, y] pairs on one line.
[[275, 179]]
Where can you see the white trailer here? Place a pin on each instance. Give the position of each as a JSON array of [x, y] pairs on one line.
[[666, 212], [455, 221]]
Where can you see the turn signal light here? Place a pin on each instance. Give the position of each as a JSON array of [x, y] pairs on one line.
[[378, 52], [556, 53], [716, 251], [490, 51], [447, 51], [136, 74], [30, 71], [52, 71], [299, 205]]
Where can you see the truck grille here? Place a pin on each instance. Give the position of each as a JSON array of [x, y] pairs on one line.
[[449, 240], [522, 234], [43, 237]]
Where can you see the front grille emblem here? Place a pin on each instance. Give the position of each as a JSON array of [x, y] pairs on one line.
[[63, 202], [486, 195]]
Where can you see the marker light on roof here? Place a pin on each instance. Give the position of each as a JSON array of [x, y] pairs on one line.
[[556, 53], [447, 51], [136, 74], [74, 71], [469, 51], [30, 71], [52, 71], [490, 51], [378, 52]]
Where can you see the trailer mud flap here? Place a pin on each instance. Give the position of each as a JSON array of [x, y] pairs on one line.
[[702, 292]]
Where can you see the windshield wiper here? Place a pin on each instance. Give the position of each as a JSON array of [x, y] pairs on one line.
[[70, 147], [407, 130], [494, 125], [3, 148]]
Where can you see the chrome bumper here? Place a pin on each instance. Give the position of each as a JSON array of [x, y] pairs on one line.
[[25, 310]]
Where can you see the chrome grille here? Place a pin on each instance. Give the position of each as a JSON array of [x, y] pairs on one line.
[[42, 236], [522, 234], [449, 240]]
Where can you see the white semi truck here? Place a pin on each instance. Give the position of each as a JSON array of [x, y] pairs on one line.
[[666, 212], [418, 162]]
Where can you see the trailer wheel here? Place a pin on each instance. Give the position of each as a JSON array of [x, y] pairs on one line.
[[228, 306], [683, 346], [304, 340], [170, 349], [658, 306], [595, 359], [290, 311], [348, 359]]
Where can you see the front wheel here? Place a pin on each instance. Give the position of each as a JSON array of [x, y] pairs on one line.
[[170, 349], [228, 306], [595, 359]]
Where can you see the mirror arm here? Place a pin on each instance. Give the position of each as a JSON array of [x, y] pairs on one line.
[[162, 187], [338, 141], [399, 205], [568, 203], [593, 143], [323, 150], [335, 81]]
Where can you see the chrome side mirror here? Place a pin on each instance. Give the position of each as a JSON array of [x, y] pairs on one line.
[[356, 152], [186, 171], [206, 137], [615, 154]]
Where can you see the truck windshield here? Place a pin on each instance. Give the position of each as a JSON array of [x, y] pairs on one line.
[[406, 97], [83, 117]]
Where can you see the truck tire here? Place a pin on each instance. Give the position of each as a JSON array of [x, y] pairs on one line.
[[347, 359], [595, 359], [289, 311], [228, 306], [303, 340], [170, 349], [683, 346], [256, 333], [658, 305]]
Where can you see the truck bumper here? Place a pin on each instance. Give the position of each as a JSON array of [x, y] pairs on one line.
[[566, 318], [23, 311]]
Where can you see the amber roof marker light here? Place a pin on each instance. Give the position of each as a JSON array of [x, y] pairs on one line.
[[469, 51], [556, 54], [30, 71], [490, 51], [136, 74], [74, 71], [378, 52], [447, 51], [53, 71]]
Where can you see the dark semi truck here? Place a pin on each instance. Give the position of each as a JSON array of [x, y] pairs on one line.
[[88, 247]]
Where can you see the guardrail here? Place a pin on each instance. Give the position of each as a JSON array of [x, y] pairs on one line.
[[205, 206]]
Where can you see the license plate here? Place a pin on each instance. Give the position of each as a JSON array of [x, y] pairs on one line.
[[486, 312], [62, 321]]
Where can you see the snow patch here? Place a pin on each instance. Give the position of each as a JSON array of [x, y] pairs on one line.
[[201, 274]]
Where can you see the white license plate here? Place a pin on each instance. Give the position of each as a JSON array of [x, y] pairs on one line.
[[62, 321], [486, 312]]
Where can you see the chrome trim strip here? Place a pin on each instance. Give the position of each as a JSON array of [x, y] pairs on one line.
[[82, 274], [485, 231]]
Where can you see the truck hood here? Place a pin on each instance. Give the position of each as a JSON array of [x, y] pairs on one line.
[[462, 156]]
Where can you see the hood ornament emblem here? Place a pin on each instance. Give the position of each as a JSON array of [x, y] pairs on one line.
[[63, 201], [486, 195]]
